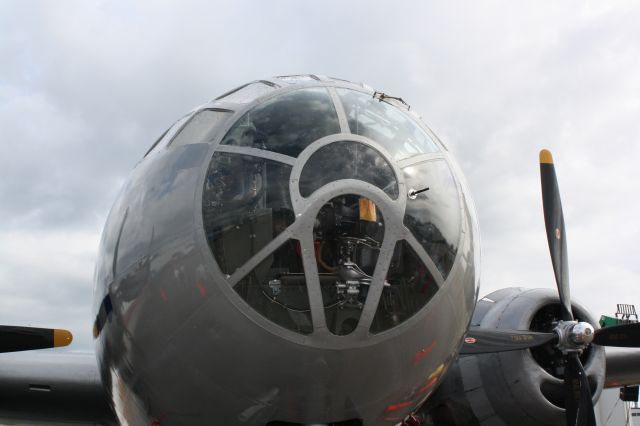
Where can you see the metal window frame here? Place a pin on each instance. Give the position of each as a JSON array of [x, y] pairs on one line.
[[306, 210]]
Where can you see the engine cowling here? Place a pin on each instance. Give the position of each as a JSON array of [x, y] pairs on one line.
[[523, 387]]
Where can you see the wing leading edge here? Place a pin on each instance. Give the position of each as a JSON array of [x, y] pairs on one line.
[[52, 388]]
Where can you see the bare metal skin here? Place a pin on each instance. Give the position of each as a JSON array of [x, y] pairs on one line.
[[180, 343]]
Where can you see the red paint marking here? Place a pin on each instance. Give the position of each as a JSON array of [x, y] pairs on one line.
[[201, 288], [470, 340], [422, 353], [429, 385], [164, 296], [398, 406]]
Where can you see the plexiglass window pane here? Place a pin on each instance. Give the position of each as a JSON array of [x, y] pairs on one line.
[[201, 128], [408, 288], [348, 234], [286, 124], [433, 216], [347, 160], [245, 204], [277, 289], [385, 124], [168, 135], [247, 93]]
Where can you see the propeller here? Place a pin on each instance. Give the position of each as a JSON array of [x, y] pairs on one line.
[[482, 340], [556, 236], [14, 339], [578, 402], [577, 396], [625, 336], [570, 337], [574, 336]]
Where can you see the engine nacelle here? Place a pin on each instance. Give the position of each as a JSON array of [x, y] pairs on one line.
[[523, 387]]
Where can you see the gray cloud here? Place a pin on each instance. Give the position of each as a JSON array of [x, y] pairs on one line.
[[85, 88]]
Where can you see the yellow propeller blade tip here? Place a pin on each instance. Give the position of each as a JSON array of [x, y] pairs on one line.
[[546, 157], [61, 338]]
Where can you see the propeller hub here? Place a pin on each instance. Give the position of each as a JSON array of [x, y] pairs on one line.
[[582, 333], [574, 336]]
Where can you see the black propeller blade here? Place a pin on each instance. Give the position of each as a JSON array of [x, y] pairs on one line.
[[480, 340], [626, 336], [578, 402], [572, 391], [556, 237], [13, 339]]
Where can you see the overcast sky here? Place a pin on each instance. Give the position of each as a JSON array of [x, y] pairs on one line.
[[87, 86]]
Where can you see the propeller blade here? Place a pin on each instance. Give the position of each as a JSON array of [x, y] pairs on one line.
[[578, 402], [488, 340], [572, 386], [626, 336], [554, 223], [13, 339]]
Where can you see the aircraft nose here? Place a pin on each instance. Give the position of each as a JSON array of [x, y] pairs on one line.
[[321, 247], [321, 220]]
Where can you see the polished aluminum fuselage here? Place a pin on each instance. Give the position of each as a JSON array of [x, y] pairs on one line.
[[178, 345]]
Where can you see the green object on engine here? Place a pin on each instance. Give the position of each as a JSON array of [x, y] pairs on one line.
[[606, 321]]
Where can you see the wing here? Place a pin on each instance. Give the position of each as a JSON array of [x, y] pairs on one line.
[[47, 387]]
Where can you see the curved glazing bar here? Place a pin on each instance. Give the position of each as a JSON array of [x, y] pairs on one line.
[[347, 235], [245, 205], [277, 289], [433, 215], [201, 128], [168, 135], [385, 124], [247, 93], [286, 124], [409, 286], [303, 78], [347, 160]]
